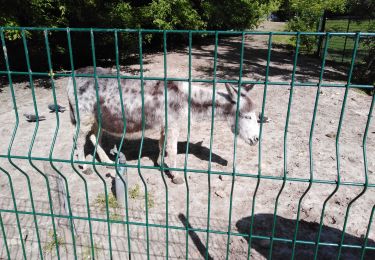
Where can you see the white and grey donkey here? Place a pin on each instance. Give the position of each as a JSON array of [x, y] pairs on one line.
[[154, 111]]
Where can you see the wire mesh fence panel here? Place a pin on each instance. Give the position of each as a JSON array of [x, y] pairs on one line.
[[151, 144]]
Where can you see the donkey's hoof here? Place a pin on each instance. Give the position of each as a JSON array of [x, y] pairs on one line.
[[178, 180], [87, 171]]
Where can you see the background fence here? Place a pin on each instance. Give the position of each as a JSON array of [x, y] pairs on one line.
[[340, 48], [305, 190]]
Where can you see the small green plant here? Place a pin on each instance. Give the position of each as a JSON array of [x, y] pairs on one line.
[[100, 201], [150, 200], [51, 244], [134, 192], [86, 252], [114, 216]]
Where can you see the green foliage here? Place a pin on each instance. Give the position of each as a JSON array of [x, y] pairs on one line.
[[173, 14], [236, 14], [158, 14], [307, 16]]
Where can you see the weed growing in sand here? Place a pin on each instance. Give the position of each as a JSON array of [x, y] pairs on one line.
[[134, 192], [51, 243], [86, 252], [112, 201]]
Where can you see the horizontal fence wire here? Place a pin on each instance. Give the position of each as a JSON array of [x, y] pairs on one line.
[[208, 230]]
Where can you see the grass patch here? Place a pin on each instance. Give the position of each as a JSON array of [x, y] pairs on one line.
[[135, 192], [100, 201], [51, 244], [150, 200], [86, 252], [115, 216]]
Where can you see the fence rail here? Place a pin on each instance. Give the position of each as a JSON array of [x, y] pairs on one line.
[[16, 165]]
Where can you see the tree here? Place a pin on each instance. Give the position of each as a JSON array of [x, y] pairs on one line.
[[307, 15]]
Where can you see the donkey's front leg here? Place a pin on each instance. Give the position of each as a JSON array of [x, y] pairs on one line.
[[170, 156], [85, 128]]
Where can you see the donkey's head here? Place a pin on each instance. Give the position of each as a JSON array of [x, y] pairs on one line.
[[248, 127]]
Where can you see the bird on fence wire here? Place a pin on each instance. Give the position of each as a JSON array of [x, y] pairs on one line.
[[53, 108], [34, 118]]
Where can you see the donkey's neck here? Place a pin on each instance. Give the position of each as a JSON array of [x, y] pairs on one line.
[[202, 103]]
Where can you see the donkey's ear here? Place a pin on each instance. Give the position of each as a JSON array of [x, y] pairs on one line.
[[248, 87], [232, 91]]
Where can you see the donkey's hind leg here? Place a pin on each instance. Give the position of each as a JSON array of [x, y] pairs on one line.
[[102, 154], [170, 156]]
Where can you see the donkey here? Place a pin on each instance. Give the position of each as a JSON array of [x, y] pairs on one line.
[[154, 111]]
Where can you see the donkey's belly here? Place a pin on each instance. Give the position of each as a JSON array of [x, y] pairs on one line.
[[133, 129]]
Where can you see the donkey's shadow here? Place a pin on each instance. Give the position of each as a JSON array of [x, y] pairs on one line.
[[150, 149], [307, 231]]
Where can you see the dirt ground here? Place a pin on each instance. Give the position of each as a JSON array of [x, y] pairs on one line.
[[171, 200]]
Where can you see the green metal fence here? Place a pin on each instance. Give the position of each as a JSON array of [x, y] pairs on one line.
[[15, 160]]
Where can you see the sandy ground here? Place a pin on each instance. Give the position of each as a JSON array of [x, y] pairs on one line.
[[171, 200]]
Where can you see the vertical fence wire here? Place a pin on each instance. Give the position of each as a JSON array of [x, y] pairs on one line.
[[17, 218], [364, 145], [35, 132], [292, 84], [312, 127], [140, 43], [7, 173], [342, 114], [125, 183], [364, 247], [75, 137], [211, 144], [260, 144], [235, 143], [11, 146], [187, 151], [5, 238], [166, 132], [99, 132], [54, 141]]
